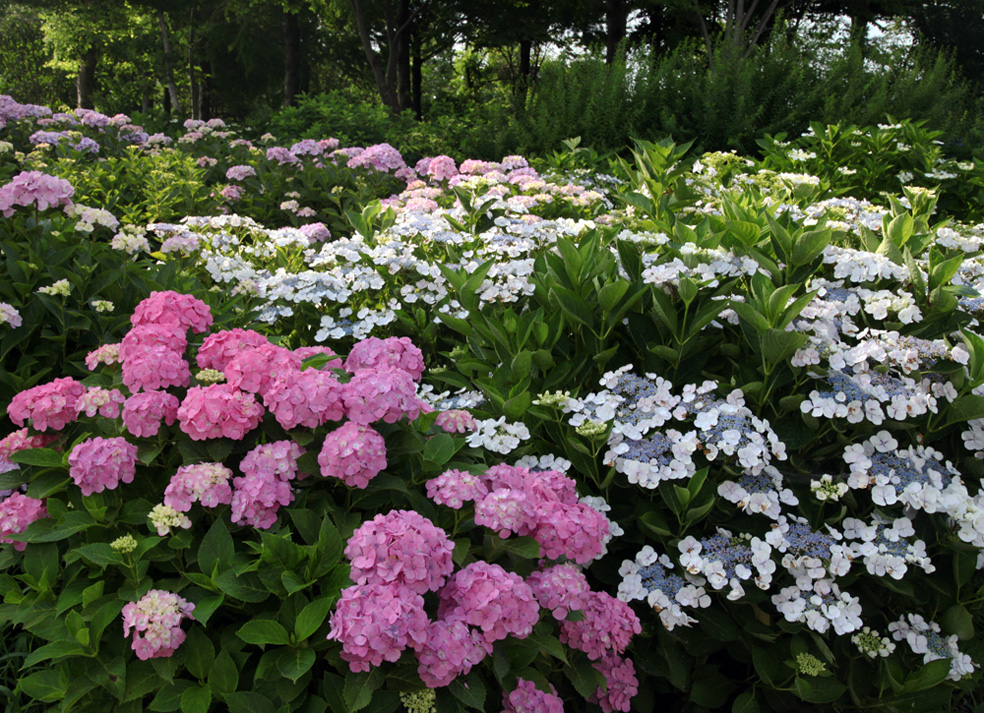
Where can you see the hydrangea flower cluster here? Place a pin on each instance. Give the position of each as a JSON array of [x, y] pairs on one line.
[[726, 560], [353, 453], [527, 698], [98, 464], [648, 577], [19, 440], [53, 405], [17, 511], [884, 547], [924, 638], [35, 189], [155, 620], [207, 483]]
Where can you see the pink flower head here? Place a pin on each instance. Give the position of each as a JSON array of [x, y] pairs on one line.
[[381, 157], [143, 412], [395, 352], [376, 622], [486, 596], [52, 405], [98, 464], [255, 370], [9, 315], [306, 398], [527, 698], [334, 361], [232, 193], [105, 402], [560, 589], [106, 354], [576, 532], [218, 411], [456, 487], [173, 308], [258, 497], [35, 189], [354, 454], [278, 458], [380, 394], [218, 349], [315, 232], [17, 511], [281, 155], [607, 627], [240, 173], [506, 512], [401, 548], [152, 368], [169, 335], [207, 483], [452, 648], [621, 684], [19, 440], [156, 622], [456, 421]]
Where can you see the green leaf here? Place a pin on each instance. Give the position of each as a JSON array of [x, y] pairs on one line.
[[687, 289], [294, 663], [585, 677], [48, 530], [169, 697], [199, 652], [470, 690], [48, 685], [249, 702], [611, 293], [572, 304], [523, 546], [966, 408], [206, 607], [329, 542], [778, 344], [359, 688], [217, 547], [40, 457], [655, 523], [224, 675], [246, 587], [549, 644], [439, 449], [100, 554], [930, 675], [263, 632], [55, 650], [745, 703], [312, 616], [196, 699], [819, 690], [958, 620]]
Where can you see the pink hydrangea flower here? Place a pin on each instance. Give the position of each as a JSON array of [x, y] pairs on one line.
[[315, 232], [621, 684], [255, 370], [19, 440], [527, 698], [380, 394], [278, 458], [507, 512], [395, 352], [334, 361], [218, 411], [354, 454], [218, 349], [376, 623], [607, 627], [451, 649], [240, 173], [456, 487], [207, 483], [456, 421], [306, 398], [156, 623], [257, 498], [51, 405], [401, 548], [10, 315], [144, 412], [17, 511], [35, 189], [169, 335], [106, 354], [438, 168], [105, 402], [170, 307], [576, 531], [152, 368], [559, 589], [98, 464], [488, 597], [381, 157]]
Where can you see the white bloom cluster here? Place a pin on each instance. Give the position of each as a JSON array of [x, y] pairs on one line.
[[924, 638], [649, 578], [759, 494], [821, 605], [89, 218], [883, 546], [726, 560], [498, 436]]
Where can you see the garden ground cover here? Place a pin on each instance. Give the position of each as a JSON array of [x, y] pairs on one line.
[[695, 431]]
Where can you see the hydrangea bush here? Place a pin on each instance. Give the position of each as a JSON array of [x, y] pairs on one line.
[[703, 433]]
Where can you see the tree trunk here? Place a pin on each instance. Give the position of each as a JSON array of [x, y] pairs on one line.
[[401, 46], [85, 81], [196, 99], [172, 87], [615, 19], [525, 73], [384, 83], [205, 89], [292, 58], [416, 77]]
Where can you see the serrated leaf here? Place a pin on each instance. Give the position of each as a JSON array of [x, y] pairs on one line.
[[359, 688], [224, 674], [470, 690], [312, 616], [196, 699], [439, 449], [294, 663], [262, 632], [217, 547], [40, 457]]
